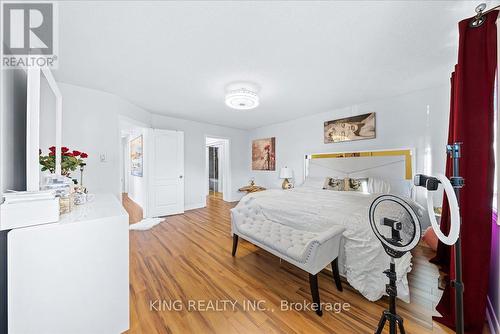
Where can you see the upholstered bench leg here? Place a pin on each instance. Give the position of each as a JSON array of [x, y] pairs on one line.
[[313, 282], [336, 275], [235, 243]]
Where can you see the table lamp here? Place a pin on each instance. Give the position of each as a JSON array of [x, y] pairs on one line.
[[286, 173]]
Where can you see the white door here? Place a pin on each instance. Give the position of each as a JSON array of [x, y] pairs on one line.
[[166, 181]]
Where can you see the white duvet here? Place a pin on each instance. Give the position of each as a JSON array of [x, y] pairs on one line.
[[362, 258]]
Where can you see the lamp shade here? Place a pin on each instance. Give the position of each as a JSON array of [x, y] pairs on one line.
[[286, 173]]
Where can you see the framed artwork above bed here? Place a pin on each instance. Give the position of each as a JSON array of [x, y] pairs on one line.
[[350, 128]]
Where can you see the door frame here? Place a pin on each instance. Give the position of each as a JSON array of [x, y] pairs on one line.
[[123, 165], [224, 145]]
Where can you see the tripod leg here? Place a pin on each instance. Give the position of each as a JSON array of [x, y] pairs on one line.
[[392, 326], [400, 325], [381, 324]]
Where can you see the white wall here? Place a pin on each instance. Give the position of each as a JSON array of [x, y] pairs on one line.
[[401, 122], [195, 156], [124, 163], [91, 124]]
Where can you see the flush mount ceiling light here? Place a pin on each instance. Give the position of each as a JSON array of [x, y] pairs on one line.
[[242, 97]]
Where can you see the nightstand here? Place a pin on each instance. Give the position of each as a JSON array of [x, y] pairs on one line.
[[251, 189]]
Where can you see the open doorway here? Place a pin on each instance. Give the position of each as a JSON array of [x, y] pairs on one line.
[[217, 155], [214, 177], [151, 182], [132, 172]]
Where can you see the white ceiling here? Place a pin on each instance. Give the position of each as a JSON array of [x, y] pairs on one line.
[[176, 58]]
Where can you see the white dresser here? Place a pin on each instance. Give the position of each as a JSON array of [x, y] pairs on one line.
[[72, 276]]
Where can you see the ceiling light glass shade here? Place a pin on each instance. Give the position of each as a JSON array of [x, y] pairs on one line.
[[242, 99]]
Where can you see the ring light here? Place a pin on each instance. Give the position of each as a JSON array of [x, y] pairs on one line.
[[396, 225], [452, 237], [389, 213]]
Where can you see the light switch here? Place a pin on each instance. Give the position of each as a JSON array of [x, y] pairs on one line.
[[102, 157]]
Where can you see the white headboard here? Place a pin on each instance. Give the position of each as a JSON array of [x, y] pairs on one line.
[[393, 166]]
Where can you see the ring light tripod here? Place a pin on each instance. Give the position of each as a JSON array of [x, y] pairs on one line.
[[452, 189], [396, 225]]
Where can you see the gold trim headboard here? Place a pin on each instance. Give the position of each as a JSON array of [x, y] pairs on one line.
[[407, 153]]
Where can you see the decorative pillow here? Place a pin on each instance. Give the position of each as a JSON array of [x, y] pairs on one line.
[[430, 238], [334, 184], [357, 185], [378, 186]]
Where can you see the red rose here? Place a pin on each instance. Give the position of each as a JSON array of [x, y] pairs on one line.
[[68, 154], [84, 155], [76, 153], [51, 154], [52, 149], [64, 149]]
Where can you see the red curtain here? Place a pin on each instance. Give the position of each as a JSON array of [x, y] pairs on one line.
[[471, 122]]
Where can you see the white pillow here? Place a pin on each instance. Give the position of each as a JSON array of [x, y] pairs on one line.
[[402, 188], [378, 186], [313, 182]]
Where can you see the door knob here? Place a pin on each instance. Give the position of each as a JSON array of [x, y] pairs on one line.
[[180, 176]]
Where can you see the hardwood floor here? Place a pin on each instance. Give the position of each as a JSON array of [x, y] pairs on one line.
[[215, 194], [135, 213], [188, 258]]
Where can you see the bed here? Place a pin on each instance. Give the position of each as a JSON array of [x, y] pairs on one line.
[[309, 207]]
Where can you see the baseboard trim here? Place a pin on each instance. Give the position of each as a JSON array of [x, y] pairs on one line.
[[492, 318], [194, 206]]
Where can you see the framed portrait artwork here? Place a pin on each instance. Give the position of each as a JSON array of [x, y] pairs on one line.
[[350, 128]]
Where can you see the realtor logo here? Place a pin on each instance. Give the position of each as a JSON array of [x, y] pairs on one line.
[[28, 34]]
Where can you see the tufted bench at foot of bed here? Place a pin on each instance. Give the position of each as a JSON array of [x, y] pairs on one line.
[[310, 251]]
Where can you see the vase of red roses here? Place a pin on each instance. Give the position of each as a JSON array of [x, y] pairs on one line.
[[71, 160]]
